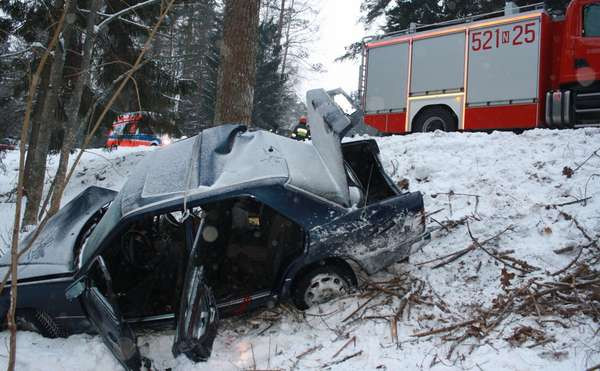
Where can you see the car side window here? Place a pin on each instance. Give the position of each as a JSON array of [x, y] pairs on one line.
[[591, 20]]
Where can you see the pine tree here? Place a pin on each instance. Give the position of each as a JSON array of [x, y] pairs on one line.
[[401, 13], [270, 85]]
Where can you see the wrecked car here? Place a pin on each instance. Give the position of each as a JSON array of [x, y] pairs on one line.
[[213, 226]]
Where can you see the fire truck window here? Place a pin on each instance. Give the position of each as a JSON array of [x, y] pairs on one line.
[[591, 21]]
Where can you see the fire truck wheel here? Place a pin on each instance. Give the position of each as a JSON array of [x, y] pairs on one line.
[[433, 119]]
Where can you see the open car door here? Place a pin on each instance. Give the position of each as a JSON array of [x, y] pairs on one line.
[[100, 304], [198, 316]]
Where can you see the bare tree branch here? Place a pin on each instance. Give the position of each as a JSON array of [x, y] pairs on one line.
[[15, 253], [118, 14], [14, 249]]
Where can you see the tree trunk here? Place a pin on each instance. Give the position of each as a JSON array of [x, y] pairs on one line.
[[237, 70], [280, 24], [287, 40], [40, 153], [72, 109], [36, 122]]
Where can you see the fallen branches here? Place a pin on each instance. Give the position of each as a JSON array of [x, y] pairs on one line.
[[575, 293], [452, 193], [445, 329], [352, 339], [309, 351], [343, 359], [513, 263], [449, 258], [578, 201], [595, 153]]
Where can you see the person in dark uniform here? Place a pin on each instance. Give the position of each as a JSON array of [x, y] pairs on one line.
[[301, 130]]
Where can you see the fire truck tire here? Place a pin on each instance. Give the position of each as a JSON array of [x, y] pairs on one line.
[[435, 118]]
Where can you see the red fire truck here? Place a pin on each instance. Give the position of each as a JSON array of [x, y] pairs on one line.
[[522, 68]]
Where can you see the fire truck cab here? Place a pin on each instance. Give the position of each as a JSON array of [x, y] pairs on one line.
[[517, 69]]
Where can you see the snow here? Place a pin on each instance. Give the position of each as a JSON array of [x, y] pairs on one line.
[[497, 180], [97, 167]]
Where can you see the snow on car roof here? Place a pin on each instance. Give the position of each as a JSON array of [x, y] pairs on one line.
[[223, 159]]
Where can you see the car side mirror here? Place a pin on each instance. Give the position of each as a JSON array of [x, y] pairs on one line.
[[75, 290]]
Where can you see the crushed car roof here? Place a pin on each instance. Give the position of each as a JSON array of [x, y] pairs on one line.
[[227, 157], [223, 159]]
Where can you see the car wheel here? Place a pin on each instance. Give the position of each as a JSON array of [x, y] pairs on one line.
[[39, 321], [433, 119], [321, 285]]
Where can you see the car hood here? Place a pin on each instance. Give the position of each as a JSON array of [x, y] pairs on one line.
[[52, 251]]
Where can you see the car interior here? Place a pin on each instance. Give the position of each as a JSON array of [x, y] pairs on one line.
[[245, 242], [144, 266]]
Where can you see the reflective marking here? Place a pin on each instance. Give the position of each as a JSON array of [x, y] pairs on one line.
[[420, 97]]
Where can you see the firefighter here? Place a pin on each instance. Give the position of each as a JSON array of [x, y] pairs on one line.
[[301, 130]]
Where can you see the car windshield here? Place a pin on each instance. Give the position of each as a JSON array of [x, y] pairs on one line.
[[108, 222]]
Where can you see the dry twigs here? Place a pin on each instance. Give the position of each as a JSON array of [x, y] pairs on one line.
[[343, 359], [596, 153], [575, 293], [449, 258], [352, 339], [520, 265]]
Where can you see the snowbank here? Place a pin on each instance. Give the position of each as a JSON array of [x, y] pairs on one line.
[[498, 184]]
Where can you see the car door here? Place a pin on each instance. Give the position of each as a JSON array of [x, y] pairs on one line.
[[197, 317], [392, 226], [376, 235], [100, 305]]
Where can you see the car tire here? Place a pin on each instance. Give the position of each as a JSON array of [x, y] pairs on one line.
[[435, 118], [321, 285], [41, 322]]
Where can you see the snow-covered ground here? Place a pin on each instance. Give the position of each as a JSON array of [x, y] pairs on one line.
[[498, 184]]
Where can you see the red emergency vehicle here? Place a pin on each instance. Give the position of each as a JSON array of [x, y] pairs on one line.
[[134, 129], [518, 69]]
